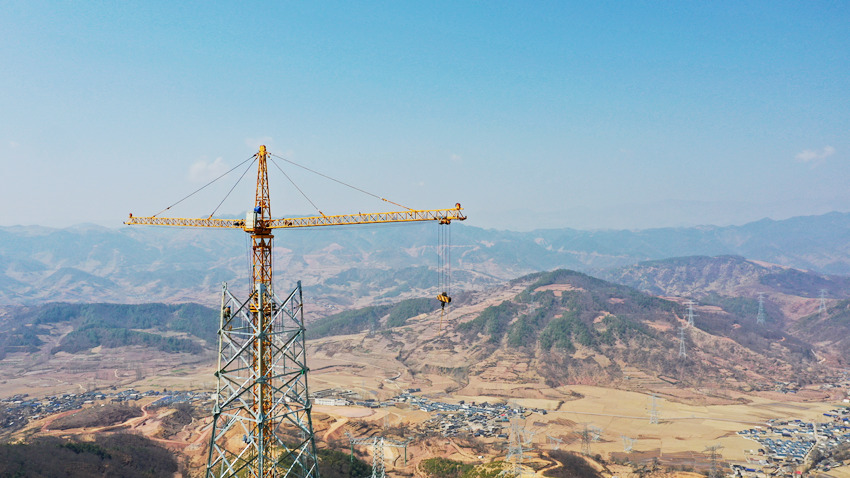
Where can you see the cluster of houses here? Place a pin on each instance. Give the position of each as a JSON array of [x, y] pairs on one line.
[[17, 411], [171, 398], [476, 419], [795, 444]]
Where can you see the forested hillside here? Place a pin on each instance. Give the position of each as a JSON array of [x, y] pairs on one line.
[[113, 325], [569, 327]]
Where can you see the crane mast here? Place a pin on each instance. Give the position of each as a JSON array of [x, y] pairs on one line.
[[262, 368], [261, 236], [261, 308]]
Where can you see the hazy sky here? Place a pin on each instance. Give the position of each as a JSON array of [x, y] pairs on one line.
[[531, 114]]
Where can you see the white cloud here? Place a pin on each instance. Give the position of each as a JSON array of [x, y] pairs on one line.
[[456, 157], [810, 155], [203, 171]]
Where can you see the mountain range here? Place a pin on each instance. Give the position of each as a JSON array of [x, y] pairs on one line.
[[360, 265]]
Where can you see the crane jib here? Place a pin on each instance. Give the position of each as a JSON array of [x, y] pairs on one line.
[[441, 215]]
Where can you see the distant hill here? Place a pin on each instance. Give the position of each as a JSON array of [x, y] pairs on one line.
[[699, 276], [354, 266], [791, 297], [568, 327], [559, 327], [828, 330], [188, 328]]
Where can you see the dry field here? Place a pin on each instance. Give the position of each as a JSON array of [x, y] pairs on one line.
[[43, 374]]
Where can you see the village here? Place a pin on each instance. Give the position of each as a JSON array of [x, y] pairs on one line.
[[787, 445], [17, 411]]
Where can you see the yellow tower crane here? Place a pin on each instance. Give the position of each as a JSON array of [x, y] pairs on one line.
[[262, 371]]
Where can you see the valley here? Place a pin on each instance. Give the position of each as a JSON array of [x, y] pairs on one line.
[[568, 351]]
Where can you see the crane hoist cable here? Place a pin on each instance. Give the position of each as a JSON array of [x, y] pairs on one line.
[[444, 265]]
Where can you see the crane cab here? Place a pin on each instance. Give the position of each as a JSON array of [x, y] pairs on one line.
[[251, 220]]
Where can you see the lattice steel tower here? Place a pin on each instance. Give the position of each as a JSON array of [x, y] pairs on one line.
[[377, 443], [690, 313], [520, 441], [653, 411], [714, 471], [760, 316], [262, 424]]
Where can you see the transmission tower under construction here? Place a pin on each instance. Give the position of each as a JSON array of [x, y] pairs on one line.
[[262, 424], [682, 352]]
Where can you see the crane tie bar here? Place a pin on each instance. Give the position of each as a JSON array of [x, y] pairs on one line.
[[340, 182]]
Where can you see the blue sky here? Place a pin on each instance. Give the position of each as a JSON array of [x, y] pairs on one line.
[[531, 114]]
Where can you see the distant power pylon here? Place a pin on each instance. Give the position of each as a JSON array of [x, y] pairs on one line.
[[682, 352], [555, 441], [628, 443], [588, 435], [760, 316], [714, 472], [822, 308], [377, 443], [520, 441], [690, 304], [653, 410]]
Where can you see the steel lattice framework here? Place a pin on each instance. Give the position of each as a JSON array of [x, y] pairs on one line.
[[261, 422], [377, 443]]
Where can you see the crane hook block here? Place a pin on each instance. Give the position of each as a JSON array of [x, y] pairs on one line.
[[444, 299]]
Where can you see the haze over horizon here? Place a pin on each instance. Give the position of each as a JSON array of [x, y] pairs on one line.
[[585, 115]]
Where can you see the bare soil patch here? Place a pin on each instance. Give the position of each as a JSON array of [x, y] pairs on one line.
[[97, 416]]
